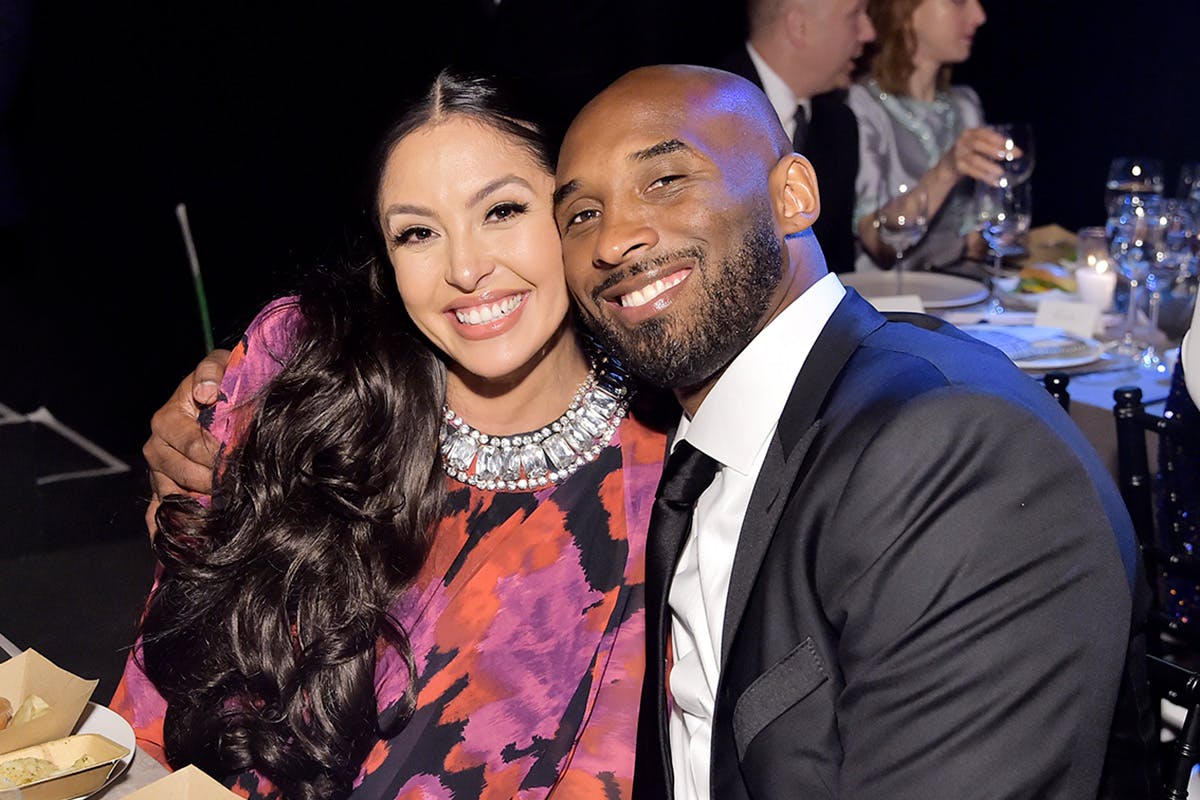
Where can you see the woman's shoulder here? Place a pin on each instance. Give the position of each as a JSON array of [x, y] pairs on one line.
[[862, 95], [965, 97]]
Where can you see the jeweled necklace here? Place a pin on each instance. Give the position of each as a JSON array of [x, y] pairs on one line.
[[543, 457]]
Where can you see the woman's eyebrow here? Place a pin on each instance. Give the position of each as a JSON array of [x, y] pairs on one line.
[[493, 186]]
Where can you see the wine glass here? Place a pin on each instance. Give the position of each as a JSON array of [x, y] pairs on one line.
[[1003, 214], [1136, 235], [1170, 292], [1018, 156], [902, 221], [1132, 175]]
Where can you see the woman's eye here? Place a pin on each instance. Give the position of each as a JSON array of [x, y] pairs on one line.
[[413, 235], [506, 211]]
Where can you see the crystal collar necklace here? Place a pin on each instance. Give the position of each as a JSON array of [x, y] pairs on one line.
[[543, 457]]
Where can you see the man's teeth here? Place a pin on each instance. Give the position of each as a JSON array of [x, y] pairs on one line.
[[639, 297], [479, 315]]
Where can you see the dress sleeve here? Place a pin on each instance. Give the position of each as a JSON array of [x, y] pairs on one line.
[[872, 122], [257, 358]]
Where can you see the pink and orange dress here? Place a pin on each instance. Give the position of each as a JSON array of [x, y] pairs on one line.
[[526, 624]]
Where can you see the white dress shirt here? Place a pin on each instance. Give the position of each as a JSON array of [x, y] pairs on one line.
[[733, 425], [782, 98]]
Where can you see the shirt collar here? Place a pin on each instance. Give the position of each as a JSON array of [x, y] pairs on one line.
[[737, 418], [782, 98]]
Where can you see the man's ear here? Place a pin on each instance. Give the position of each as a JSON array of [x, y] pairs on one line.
[[794, 194]]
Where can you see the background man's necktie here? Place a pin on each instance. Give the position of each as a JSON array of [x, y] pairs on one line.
[[687, 474], [800, 137]]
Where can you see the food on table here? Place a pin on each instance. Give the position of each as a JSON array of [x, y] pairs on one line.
[[27, 770], [1036, 278]]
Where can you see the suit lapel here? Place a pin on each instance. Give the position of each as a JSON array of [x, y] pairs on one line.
[[798, 427]]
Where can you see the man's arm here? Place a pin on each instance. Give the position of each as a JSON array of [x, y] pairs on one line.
[[180, 453], [982, 607]]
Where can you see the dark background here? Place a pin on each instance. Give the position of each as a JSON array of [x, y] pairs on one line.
[[259, 119]]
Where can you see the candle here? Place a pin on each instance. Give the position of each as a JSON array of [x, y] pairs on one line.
[[1096, 282]]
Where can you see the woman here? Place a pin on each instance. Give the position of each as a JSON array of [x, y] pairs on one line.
[[917, 129], [363, 611]]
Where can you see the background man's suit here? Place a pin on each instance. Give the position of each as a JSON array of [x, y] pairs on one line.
[[832, 147], [925, 509]]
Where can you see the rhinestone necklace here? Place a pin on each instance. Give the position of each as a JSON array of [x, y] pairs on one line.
[[539, 458]]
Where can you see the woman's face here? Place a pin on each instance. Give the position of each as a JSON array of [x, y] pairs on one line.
[[466, 214], [944, 30]]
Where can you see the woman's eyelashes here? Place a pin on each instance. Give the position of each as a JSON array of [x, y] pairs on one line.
[[505, 210], [421, 234]]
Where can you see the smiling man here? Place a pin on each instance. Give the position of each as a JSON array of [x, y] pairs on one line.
[[910, 573]]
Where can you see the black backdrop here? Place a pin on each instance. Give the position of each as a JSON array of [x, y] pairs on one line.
[[259, 119]]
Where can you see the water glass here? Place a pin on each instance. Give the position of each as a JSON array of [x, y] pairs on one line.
[[902, 221], [1132, 175], [1002, 214], [1018, 154], [1137, 240]]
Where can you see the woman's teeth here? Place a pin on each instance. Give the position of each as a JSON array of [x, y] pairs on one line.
[[639, 297], [482, 314]]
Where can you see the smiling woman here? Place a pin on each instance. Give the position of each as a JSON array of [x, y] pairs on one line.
[[421, 570]]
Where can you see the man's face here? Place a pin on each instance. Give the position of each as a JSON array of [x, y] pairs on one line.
[[669, 240], [834, 33]]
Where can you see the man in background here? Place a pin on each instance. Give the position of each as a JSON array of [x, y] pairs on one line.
[[801, 53]]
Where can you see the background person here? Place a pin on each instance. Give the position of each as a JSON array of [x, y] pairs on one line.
[[914, 127], [802, 54]]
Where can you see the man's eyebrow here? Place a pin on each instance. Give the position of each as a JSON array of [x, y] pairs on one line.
[[660, 149], [560, 194]]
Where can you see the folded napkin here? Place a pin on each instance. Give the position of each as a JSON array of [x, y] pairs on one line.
[[1030, 343]]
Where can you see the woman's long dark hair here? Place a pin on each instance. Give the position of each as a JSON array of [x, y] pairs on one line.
[[262, 632]]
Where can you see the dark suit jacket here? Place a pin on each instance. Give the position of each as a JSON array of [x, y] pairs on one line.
[[833, 150], [931, 595]]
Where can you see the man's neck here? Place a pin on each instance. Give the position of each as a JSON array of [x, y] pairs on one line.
[[781, 58]]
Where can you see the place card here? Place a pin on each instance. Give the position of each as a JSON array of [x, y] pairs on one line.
[[1080, 319]]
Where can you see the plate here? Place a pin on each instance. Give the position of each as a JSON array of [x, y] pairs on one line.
[[1009, 339], [1006, 289], [106, 722], [935, 289]]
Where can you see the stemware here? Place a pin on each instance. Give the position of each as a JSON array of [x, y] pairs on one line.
[[1018, 155], [1003, 214], [902, 221], [1170, 292], [1137, 240], [1132, 175]]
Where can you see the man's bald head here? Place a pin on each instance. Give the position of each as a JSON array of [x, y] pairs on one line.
[[678, 199]]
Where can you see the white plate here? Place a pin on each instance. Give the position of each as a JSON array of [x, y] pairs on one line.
[[936, 290], [106, 722], [1031, 333]]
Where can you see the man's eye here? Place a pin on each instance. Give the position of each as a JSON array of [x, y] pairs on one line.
[[583, 216], [666, 180]]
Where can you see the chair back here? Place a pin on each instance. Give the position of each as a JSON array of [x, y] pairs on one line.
[[1164, 505]]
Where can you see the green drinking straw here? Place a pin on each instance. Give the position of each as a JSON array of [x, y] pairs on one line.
[[197, 281]]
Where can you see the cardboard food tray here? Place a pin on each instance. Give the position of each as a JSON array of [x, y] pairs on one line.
[[103, 752], [67, 695], [189, 783]]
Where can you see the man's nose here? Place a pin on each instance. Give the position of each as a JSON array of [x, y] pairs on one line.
[[624, 235]]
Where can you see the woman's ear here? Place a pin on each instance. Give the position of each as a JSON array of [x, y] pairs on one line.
[[794, 194]]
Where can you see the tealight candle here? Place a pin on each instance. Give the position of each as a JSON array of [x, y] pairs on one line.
[[1096, 283]]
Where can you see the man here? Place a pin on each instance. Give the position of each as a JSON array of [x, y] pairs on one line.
[[802, 54], [910, 576]]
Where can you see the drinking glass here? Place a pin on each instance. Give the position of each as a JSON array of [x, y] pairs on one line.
[[1170, 292], [1137, 240], [1002, 215], [1018, 153], [1189, 184], [1132, 175], [902, 221]]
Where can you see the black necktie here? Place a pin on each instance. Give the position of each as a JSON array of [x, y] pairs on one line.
[[687, 474], [800, 137]]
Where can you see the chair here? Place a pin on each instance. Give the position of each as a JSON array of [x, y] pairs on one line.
[[1164, 506]]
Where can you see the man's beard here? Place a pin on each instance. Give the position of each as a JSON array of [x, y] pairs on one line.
[[680, 351]]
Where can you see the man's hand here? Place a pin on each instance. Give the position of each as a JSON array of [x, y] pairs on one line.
[[180, 453]]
